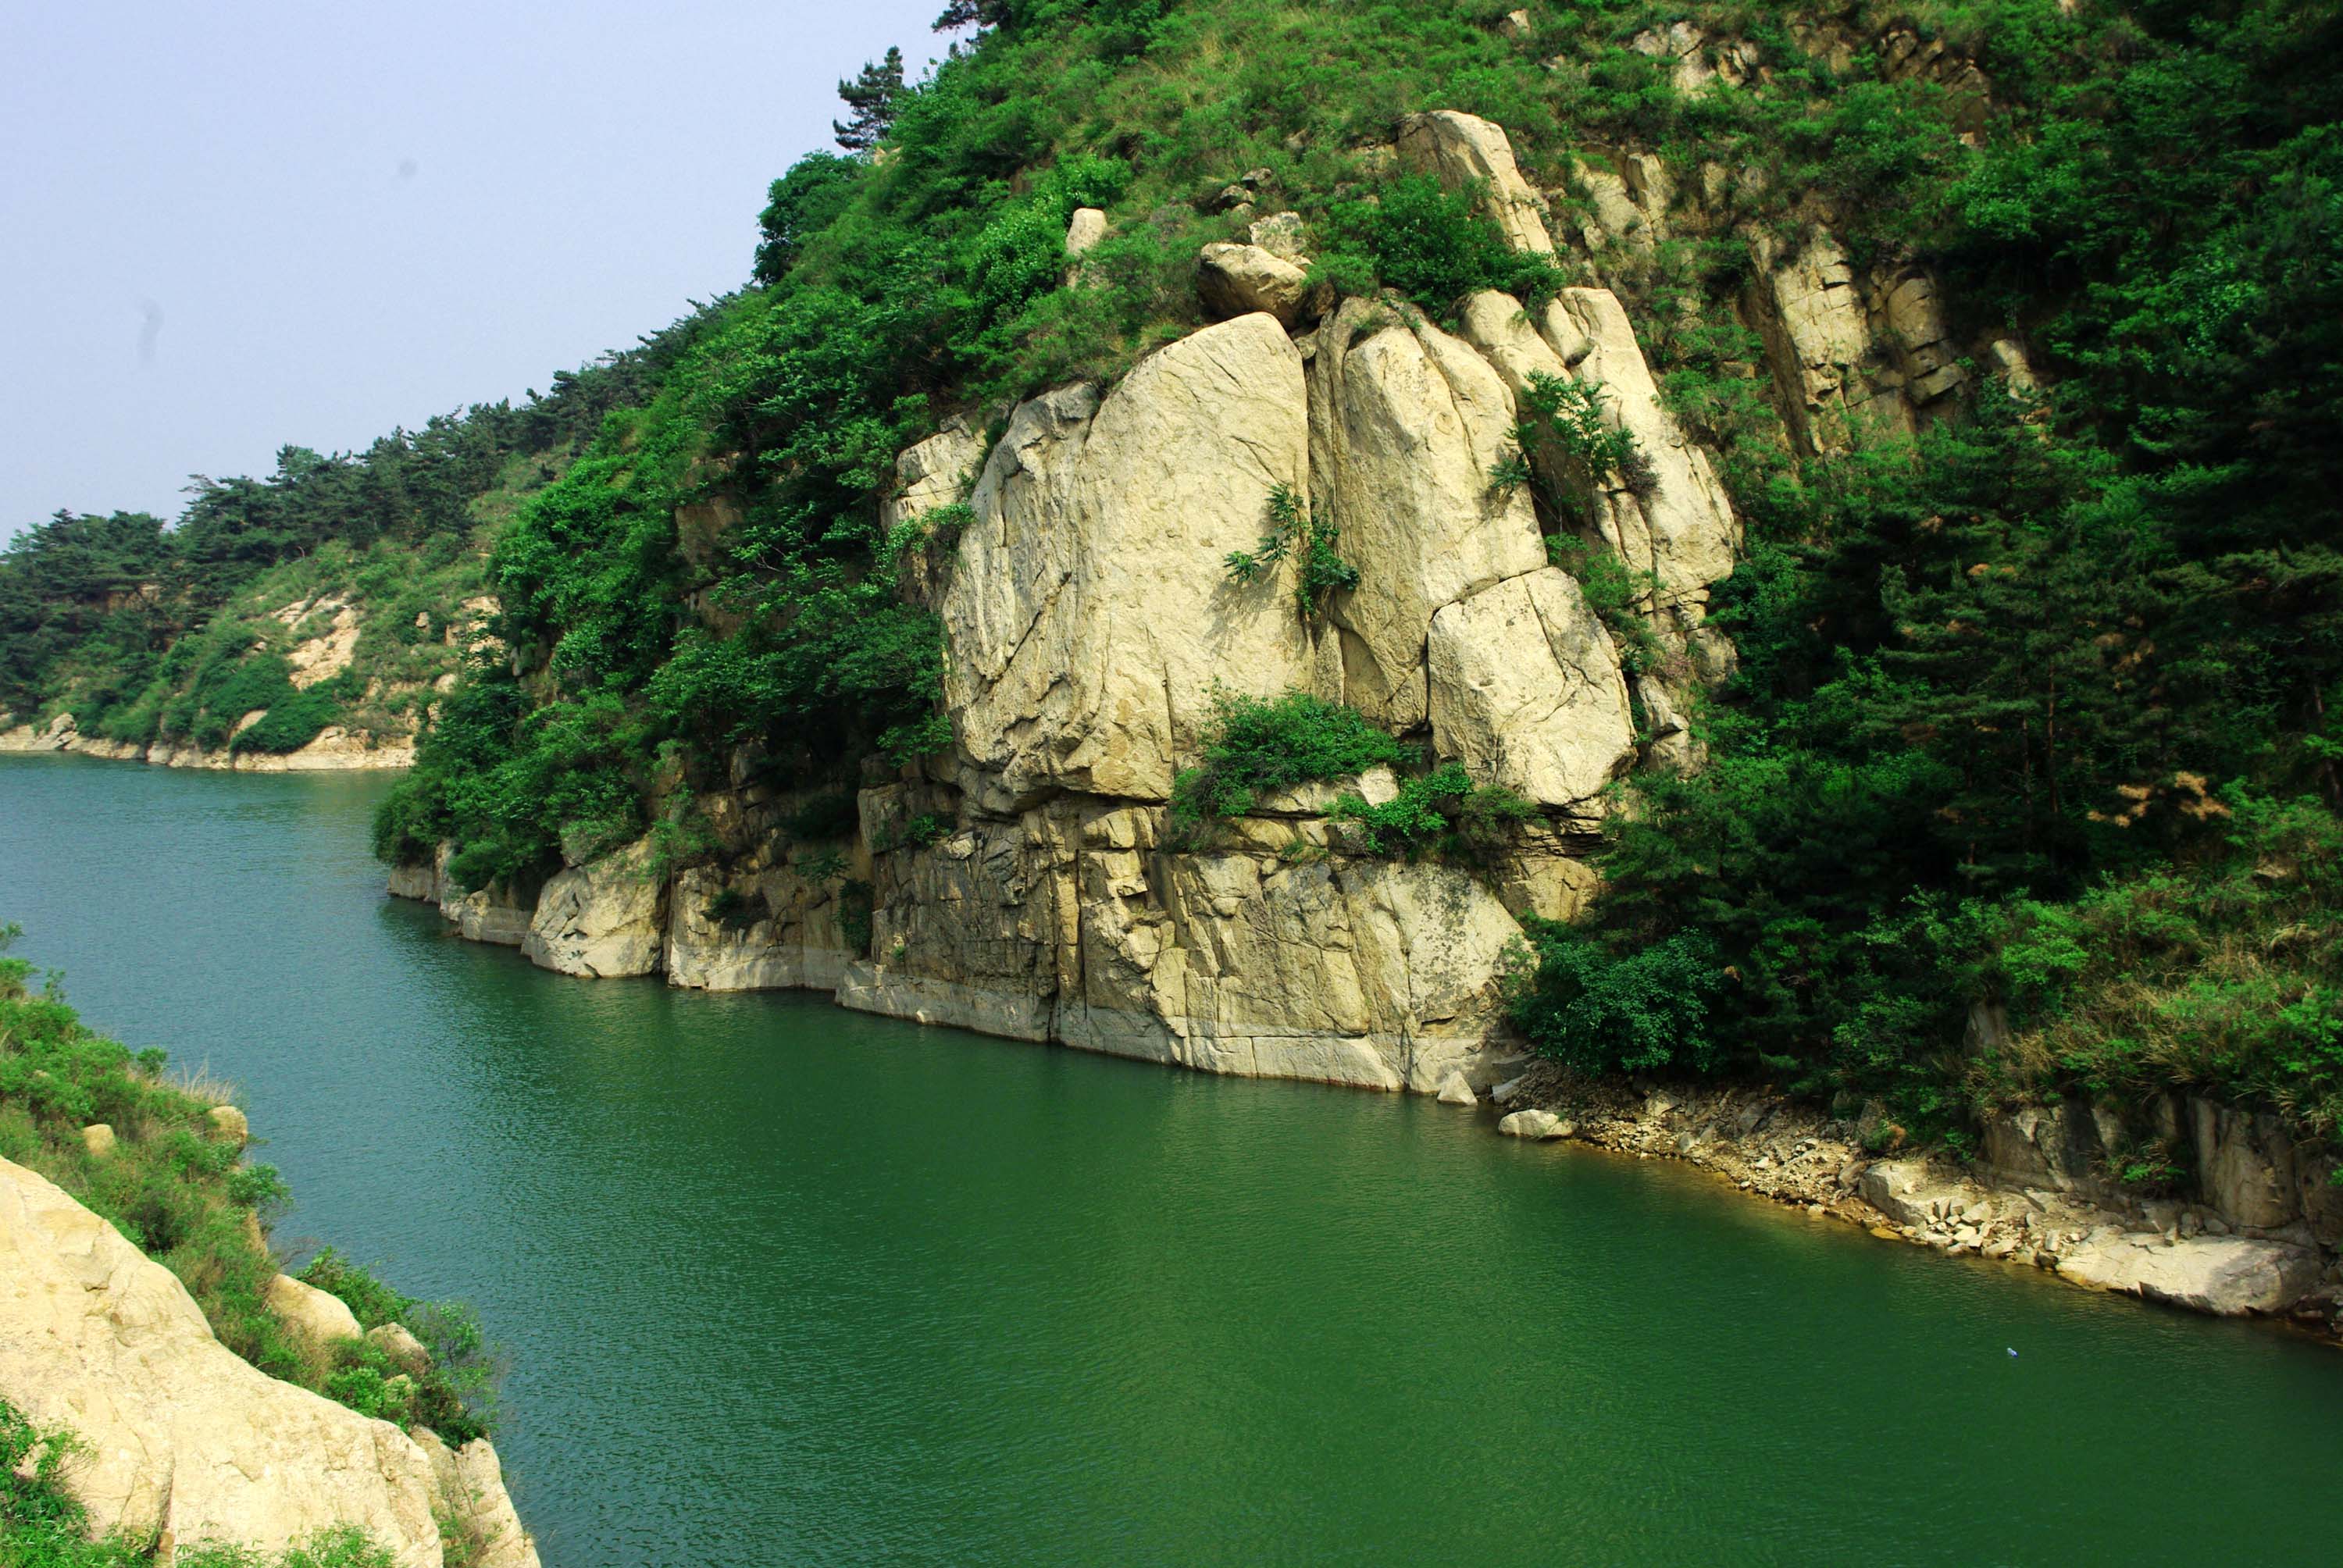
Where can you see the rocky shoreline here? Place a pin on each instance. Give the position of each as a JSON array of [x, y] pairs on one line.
[[334, 750], [2259, 1240]]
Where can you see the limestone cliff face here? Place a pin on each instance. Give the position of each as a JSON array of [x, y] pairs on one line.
[[184, 1441], [1026, 884]]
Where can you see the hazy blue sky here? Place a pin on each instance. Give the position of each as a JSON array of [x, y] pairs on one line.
[[229, 226]]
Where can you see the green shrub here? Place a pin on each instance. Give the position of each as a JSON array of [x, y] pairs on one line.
[[1433, 245], [1440, 815], [1567, 417], [1597, 1010], [1296, 530], [1263, 745]]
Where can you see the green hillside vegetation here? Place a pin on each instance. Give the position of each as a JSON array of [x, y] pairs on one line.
[[149, 632]]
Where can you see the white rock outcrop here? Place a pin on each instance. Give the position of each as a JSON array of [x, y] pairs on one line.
[[1091, 612], [1464, 150], [604, 919], [1680, 527], [1405, 425], [186, 1442], [789, 936]]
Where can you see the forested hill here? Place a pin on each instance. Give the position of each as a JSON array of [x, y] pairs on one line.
[[2021, 777], [334, 592]]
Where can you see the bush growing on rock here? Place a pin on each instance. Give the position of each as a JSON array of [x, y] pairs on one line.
[[1440, 815], [1262, 746], [1433, 245]]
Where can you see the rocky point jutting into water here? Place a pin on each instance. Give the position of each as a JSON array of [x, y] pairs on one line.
[[182, 1442]]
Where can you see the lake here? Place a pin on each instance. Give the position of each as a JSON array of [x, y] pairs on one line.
[[783, 1284]]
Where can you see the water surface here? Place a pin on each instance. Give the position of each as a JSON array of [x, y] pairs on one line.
[[782, 1284]]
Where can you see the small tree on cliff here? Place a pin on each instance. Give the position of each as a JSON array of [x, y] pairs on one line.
[[872, 96]]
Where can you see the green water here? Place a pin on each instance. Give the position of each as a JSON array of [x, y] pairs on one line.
[[783, 1284]]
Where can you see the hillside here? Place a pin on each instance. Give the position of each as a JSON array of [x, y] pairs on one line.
[[1941, 452], [307, 620]]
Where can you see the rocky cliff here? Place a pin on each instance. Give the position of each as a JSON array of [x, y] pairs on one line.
[[1027, 884], [182, 1442], [1032, 882]]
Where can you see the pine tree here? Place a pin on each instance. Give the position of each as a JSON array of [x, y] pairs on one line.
[[871, 96]]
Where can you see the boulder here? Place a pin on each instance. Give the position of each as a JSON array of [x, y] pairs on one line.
[[1455, 1091], [184, 1441], [2228, 1275], [602, 920], [98, 1139], [1084, 230], [395, 1341], [1531, 1125], [1679, 525], [1526, 690], [1406, 424], [1282, 234], [1461, 150], [320, 1315], [1237, 279], [1105, 526]]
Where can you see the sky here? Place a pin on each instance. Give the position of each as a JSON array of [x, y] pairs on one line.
[[236, 225]]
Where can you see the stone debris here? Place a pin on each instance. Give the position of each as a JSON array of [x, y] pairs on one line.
[[2096, 1236]]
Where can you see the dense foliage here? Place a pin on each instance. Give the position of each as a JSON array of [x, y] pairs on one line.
[[2025, 715], [181, 1192], [102, 615]]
